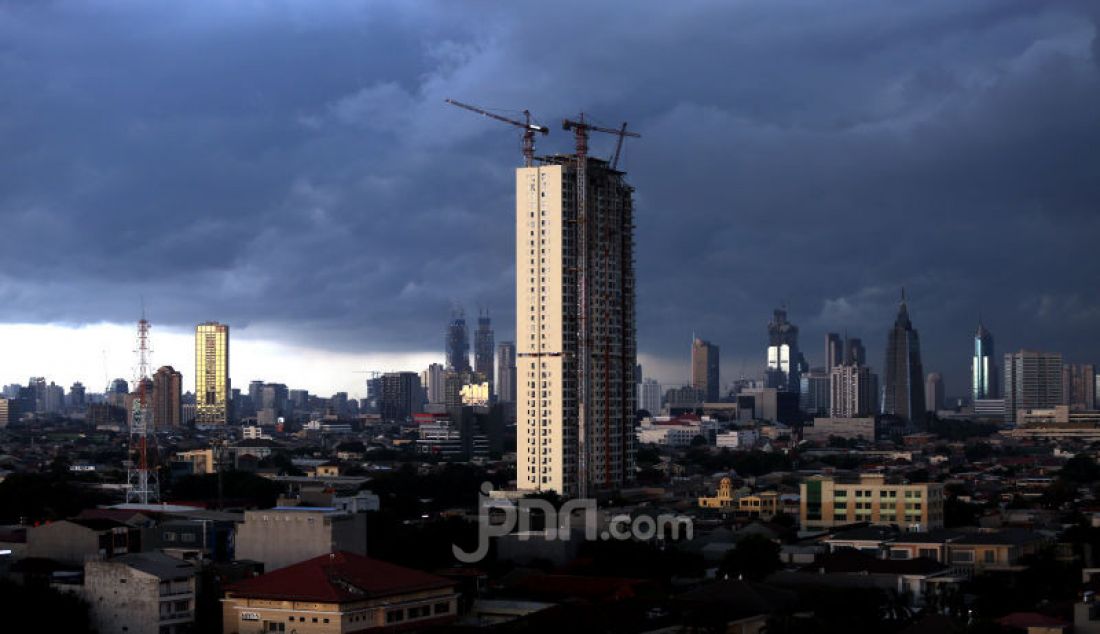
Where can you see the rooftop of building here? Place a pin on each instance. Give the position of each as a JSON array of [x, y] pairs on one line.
[[852, 561], [338, 577], [157, 564], [1002, 537]]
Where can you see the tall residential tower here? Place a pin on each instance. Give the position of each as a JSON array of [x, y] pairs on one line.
[[575, 342]]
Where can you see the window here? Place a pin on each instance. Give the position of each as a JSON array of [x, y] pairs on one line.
[[442, 608], [395, 616]]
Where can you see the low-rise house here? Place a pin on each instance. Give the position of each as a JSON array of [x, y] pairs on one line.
[[1000, 550]]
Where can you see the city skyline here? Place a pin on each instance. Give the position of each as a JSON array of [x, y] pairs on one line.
[[351, 135]]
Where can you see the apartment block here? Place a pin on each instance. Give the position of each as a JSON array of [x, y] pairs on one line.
[[826, 502]]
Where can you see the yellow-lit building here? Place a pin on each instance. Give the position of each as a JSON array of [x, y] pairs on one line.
[[763, 505], [201, 460], [212, 373], [723, 499], [826, 502]]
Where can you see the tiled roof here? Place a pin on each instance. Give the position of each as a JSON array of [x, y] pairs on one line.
[[339, 577]]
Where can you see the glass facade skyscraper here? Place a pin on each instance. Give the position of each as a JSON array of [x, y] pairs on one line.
[[983, 369], [212, 373]]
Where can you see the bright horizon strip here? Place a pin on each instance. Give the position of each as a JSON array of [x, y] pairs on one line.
[[98, 353]]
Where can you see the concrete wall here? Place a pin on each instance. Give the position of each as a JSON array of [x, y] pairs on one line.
[[283, 538], [63, 541]]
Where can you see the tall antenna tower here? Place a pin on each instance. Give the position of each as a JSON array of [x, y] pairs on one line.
[[142, 477]]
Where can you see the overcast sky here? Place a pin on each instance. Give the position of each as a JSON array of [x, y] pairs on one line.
[[290, 168]]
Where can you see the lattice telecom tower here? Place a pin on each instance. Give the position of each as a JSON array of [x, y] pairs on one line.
[[141, 475]]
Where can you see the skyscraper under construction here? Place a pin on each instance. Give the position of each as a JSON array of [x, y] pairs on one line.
[[575, 337]]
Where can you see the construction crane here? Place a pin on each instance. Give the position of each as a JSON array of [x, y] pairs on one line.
[[580, 129], [529, 129]]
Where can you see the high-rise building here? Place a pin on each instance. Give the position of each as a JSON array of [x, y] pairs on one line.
[[983, 367], [1032, 380], [575, 332], [814, 396], [435, 383], [483, 349], [458, 343], [167, 390], [37, 384], [212, 373], [834, 352], [785, 362], [76, 397], [704, 368], [903, 389], [506, 372], [274, 404], [853, 392], [933, 392], [649, 396], [1079, 386], [854, 352], [54, 399], [400, 396]]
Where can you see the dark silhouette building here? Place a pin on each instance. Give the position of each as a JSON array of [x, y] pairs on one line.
[[167, 388], [903, 388], [506, 372], [483, 349], [401, 395], [704, 369], [458, 343]]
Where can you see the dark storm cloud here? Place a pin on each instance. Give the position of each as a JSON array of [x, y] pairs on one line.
[[292, 166]]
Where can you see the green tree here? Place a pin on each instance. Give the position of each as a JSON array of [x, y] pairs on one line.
[[1080, 469], [754, 558]]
